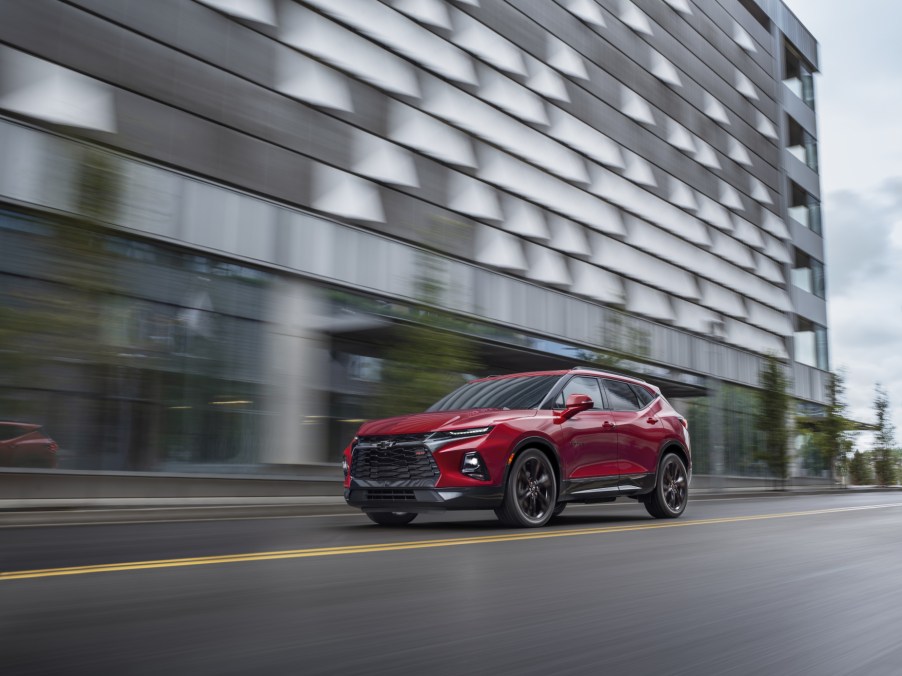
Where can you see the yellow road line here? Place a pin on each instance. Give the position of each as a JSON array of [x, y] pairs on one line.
[[417, 544]]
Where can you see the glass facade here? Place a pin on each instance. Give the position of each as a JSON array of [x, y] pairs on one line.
[[811, 345], [802, 144], [132, 355], [804, 208], [808, 274], [737, 441], [798, 76]]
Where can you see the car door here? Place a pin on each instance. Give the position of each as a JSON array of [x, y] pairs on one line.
[[639, 431], [9, 434], [588, 440]]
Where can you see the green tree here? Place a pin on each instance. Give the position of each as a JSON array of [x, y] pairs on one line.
[[860, 469], [831, 431], [884, 440], [772, 417]]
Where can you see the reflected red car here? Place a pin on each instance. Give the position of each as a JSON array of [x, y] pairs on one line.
[[524, 445], [25, 445]]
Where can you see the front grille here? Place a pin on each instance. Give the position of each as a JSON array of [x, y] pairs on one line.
[[397, 438], [390, 494], [398, 459]]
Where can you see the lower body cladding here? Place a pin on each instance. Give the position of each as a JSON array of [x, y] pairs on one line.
[[415, 499], [606, 489], [414, 496]]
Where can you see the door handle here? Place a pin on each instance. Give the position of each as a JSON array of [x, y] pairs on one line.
[[608, 425], [652, 421]]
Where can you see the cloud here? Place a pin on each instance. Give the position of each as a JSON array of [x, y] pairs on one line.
[[859, 234], [864, 250], [859, 90], [859, 105]]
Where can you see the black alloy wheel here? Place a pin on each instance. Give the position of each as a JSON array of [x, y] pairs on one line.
[[668, 499], [392, 518], [531, 494]]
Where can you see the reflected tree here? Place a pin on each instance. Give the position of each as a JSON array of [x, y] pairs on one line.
[[60, 328], [430, 355], [772, 418]]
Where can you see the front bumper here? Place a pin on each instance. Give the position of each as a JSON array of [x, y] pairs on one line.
[[402, 499]]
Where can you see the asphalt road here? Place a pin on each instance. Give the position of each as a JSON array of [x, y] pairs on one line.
[[797, 585]]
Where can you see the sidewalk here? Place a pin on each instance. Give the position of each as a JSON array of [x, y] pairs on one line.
[[70, 511]]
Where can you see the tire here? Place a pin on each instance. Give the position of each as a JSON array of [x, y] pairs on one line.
[[558, 508], [531, 493], [671, 493], [392, 518]]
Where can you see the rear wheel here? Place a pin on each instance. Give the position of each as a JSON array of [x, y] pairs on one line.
[[392, 518], [671, 493], [531, 493]]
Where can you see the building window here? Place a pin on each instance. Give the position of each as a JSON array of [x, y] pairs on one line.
[[801, 144], [759, 14], [808, 274], [798, 75], [804, 208], [810, 341]]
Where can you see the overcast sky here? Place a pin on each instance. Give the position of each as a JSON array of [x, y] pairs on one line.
[[859, 110]]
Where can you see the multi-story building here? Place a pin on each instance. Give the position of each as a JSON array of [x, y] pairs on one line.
[[217, 214]]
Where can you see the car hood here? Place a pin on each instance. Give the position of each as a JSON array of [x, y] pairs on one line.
[[420, 423]]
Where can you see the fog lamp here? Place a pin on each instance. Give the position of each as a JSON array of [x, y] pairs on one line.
[[473, 466]]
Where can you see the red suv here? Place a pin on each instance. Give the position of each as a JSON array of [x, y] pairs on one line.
[[25, 445], [524, 445]]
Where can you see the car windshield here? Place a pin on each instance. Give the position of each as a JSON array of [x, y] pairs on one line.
[[511, 393]]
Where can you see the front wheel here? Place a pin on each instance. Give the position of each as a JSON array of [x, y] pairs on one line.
[[531, 493], [391, 518], [671, 493]]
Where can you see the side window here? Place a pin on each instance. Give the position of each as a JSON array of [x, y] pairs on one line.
[[621, 395], [8, 432], [645, 397], [580, 385]]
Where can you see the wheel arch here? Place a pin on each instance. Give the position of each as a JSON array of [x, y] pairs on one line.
[[545, 446], [677, 448]]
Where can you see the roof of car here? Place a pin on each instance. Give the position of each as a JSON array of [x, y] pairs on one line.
[[587, 370]]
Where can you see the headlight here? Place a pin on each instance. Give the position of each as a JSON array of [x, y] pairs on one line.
[[460, 434]]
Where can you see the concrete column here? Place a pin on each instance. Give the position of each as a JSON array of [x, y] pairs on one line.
[[297, 369]]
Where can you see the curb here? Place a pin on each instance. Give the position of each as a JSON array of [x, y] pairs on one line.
[[68, 512]]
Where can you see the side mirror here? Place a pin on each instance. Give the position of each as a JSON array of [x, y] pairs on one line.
[[575, 404]]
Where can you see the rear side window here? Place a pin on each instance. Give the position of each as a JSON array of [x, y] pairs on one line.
[[580, 385], [645, 397], [8, 432], [621, 396]]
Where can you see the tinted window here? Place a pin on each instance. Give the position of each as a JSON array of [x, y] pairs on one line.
[[8, 432], [510, 393], [645, 397], [621, 396], [580, 385]]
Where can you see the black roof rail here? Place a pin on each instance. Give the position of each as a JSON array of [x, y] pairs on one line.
[[608, 373]]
